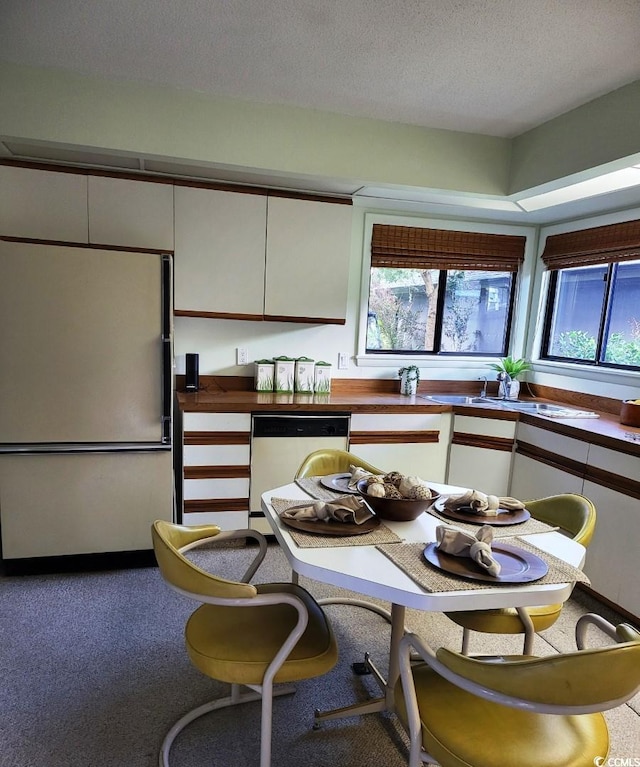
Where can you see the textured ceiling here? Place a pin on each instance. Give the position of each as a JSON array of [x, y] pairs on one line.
[[497, 67]]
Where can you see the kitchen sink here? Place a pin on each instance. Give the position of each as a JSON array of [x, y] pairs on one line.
[[458, 399]]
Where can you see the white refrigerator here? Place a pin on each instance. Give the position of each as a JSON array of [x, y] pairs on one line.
[[85, 399]]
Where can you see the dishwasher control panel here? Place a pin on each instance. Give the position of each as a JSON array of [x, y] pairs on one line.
[[300, 426]]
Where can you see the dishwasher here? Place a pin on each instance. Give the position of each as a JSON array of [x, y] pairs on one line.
[[279, 444]]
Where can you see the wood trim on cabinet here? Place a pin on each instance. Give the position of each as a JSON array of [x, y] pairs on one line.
[[216, 504], [624, 485], [86, 245], [551, 459], [217, 472], [217, 438], [218, 315], [306, 320], [482, 441], [392, 437]]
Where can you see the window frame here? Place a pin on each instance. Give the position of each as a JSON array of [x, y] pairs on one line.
[[603, 323], [522, 293]]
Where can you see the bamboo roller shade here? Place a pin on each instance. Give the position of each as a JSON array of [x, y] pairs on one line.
[[588, 247], [411, 247]]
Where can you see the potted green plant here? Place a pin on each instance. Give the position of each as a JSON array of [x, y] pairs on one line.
[[409, 379], [514, 368]]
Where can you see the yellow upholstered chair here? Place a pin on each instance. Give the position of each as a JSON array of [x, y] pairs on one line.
[[320, 463], [255, 636], [575, 516], [514, 710]]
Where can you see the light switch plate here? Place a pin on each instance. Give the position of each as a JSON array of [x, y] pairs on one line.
[[242, 356], [343, 361]]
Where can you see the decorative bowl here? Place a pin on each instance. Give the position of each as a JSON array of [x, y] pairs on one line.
[[396, 509], [630, 413]]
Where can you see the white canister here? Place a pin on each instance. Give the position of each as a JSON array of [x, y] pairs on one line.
[[264, 375], [322, 383], [284, 374], [305, 375]]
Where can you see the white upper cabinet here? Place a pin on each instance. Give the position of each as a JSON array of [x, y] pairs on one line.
[[134, 214], [43, 205], [308, 250], [219, 251]]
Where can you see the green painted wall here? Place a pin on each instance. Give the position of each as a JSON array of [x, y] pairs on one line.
[[51, 105], [604, 130]]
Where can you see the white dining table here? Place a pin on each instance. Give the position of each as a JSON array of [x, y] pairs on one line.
[[366, 570]]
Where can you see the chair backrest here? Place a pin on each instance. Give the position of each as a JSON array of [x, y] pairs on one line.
[[320, 463], [574, 514], [169, 541], [580, 682]]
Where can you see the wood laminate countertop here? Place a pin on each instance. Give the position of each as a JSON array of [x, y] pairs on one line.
[[605, 430]]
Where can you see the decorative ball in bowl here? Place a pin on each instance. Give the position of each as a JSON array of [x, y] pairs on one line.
[[396, 509]]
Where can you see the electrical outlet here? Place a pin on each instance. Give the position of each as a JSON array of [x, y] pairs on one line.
[[242, 356], [343, 361]]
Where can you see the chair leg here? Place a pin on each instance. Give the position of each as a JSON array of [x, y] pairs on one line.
[[529, 630], [236, 697], [466, 636], [356, 603]]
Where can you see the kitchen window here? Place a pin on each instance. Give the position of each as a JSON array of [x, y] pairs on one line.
[[593, 307], [441, 292]]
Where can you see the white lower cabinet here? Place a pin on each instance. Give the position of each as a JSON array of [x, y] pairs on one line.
[[480, 454], [216, 461], [611, 562], [546, 463], [415, 444]]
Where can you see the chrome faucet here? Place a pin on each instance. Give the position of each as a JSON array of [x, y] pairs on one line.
[[505, 378], [483, 391]]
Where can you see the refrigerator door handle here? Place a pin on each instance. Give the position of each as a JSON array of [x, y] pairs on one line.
[[167, 351]]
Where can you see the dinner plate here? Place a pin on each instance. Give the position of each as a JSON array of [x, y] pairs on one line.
[[504, 516], [516, 565], [332, 527], [339, 483]]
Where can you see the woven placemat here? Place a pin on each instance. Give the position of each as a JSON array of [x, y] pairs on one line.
[[380, 535], [408, 557], [506, 531], [312, 486]]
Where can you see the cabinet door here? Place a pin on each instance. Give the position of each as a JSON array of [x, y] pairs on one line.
[[411, 444], [219, 253], [481, 452], [611, 561], [134, 214], [43, 205], [308, 252], [534, 479]]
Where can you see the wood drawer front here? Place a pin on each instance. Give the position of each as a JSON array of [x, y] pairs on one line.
[[199, 489], [398, 423], [217, 422], [573, 449], [216, 455], [485, 427], [393, 438]]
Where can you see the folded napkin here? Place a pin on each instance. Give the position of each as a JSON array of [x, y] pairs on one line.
[[454, 541], [479, 503], [348, 508], [357, 473]]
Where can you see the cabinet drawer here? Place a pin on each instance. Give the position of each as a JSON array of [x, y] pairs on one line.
[[574, 449], [401, 422], [217, 422], [216, 455], [202, 489]]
